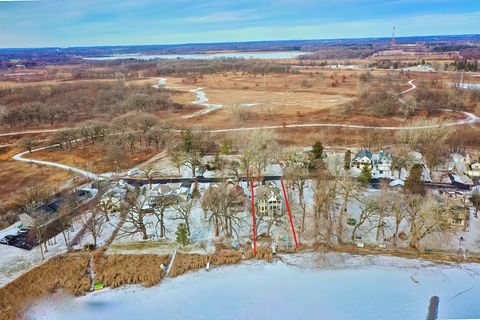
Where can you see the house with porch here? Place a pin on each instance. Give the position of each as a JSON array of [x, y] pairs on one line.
[[268, 200]]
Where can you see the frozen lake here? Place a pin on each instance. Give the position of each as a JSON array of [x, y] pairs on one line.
[[231, 55], [307, 286], [473, 86]]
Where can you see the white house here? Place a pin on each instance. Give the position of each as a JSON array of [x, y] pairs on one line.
[[473, 170], [362, 158], [382, 165]]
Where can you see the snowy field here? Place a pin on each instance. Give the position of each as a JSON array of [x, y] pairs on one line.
[[307, 286]]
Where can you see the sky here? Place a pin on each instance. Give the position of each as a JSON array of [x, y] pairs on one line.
[[62, 23]]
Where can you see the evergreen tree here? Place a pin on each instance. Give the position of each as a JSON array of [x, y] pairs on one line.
[[226, 147], [187, 140], [414, 183], [317, 150], [365, 175], [347, 160], [182, 234]]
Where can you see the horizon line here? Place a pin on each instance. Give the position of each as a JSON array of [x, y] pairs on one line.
[[238, 42]]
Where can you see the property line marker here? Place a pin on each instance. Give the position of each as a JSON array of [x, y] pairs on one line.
[[289, 215], [253, 220]]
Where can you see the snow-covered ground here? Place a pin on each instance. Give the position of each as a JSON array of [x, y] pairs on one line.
[[306, 286], [15, 261]]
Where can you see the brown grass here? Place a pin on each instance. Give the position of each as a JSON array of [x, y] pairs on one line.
[[226, 258], [115, 270], [187, 262], [93, 158], [68, 272]]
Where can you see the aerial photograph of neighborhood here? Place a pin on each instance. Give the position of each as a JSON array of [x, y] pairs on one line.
[[214, 159]]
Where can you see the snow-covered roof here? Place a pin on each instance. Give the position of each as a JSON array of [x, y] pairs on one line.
[[363, 153], [397, 183], [273, 170]]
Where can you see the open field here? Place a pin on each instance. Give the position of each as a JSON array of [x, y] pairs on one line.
[[16, 177], [93, 158], [311, 96]]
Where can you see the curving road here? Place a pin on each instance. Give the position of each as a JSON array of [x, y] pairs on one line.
[[412, 87], [19, 157]]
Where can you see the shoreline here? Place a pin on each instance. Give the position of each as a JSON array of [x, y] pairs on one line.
[[76, 271]]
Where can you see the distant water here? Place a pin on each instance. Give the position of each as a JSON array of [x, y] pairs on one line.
[[225, 55], [342, 287], [466, 85]]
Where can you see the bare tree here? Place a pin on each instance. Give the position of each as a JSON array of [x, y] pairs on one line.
[[398, 213], [348, 188], [368, 208], [408, 105], [183, 208], [150, 174], [27, 144], [223, 206], [176, 156], [95, 224], [136, 211], [423, 215], [324, 209], [161, 204], [383, 210], [192, 160], [106, 205], [297, 174]]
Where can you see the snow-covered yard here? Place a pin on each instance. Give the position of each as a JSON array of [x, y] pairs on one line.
[[306, 286], [14, 261]]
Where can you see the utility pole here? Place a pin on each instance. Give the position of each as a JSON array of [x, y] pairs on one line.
[[394, 43]]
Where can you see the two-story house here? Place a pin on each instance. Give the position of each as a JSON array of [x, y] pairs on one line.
[[268, 200], [362, 158]]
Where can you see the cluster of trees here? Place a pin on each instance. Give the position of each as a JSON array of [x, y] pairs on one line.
[[389, 64], [462, 65], [384, 99], [119, 139], [447, 140], [59, 104], [422, 211]]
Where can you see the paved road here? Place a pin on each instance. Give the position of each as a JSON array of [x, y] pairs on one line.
[[19, 157]]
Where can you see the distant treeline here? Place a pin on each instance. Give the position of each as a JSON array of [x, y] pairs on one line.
[[342, 52], [449, 48], [462, 65], [43, 56], [184, 67], [471, 53]]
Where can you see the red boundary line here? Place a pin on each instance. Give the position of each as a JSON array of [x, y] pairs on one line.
[[289, 214], [253, 221]]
